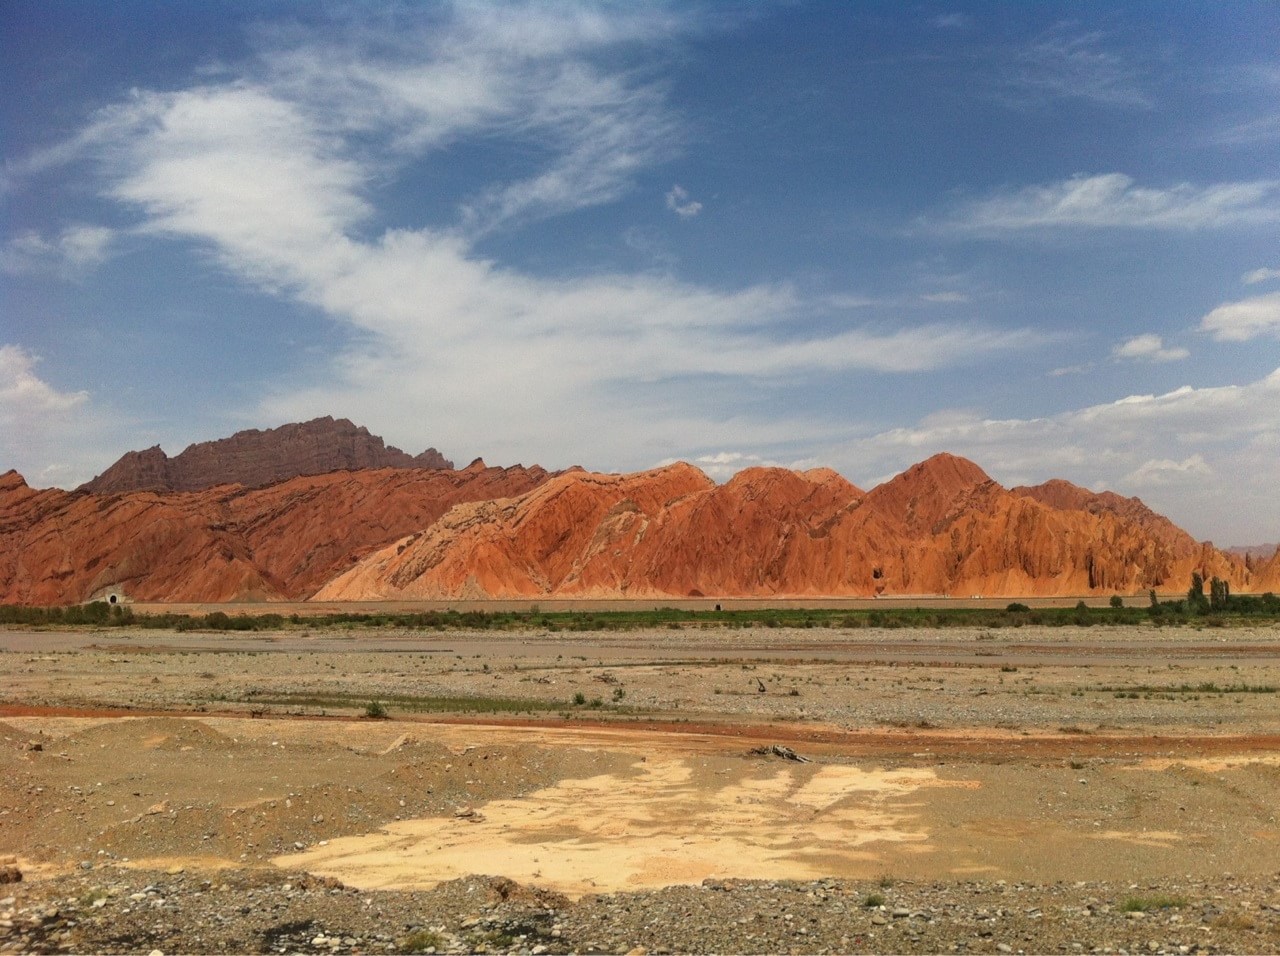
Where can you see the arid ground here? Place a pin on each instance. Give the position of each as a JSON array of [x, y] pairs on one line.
[[1028, 789]]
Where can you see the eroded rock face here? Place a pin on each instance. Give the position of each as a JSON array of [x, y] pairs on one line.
[[225, 543], [256, 458], [941, 527]]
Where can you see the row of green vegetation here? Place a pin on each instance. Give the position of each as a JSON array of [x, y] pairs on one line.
[[1217, 608]]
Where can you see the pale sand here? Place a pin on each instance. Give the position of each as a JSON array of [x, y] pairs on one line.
[[672, 822]]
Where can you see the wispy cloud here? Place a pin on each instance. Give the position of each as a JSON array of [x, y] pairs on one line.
[[944, 298], [275, 172], [69, 254], [1148, 348], [1260, 275], [1244, 320], [678, 202], [1114, 201], [1261, 83], [1066, 62]]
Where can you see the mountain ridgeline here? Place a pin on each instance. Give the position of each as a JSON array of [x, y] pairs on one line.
[[255, 458], [358, 521]]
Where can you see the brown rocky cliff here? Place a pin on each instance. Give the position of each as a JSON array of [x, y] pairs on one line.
[[256, 458]]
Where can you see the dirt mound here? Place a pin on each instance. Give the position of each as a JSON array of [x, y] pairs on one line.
[[11, 736], [149, 733]]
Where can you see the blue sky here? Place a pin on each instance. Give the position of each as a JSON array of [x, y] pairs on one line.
[[1043, 236]]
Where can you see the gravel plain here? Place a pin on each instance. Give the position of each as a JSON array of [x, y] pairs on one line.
[[1044, 790]]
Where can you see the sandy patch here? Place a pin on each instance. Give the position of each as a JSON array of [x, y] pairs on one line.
[[672, 821], [1209, 765]]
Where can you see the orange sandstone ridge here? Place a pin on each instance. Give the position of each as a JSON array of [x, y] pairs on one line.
[[941, 527], [226, 543]]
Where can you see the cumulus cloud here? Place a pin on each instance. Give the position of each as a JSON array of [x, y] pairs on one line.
[[678, 202], [1115, 201], [1157, 472], [24, 396], [1148, 348], [1127, 445], [70, 253], [723, 465], [1244, 320], [1260, 275], [51, 436]]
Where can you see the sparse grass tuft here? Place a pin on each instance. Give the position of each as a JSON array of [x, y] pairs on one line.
[[422, 941], [1146, 904]]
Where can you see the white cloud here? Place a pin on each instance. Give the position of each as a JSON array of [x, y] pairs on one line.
[[951, 21], [1149, 348], [75, 250], [1066, 63], [723, 465], [842, 300], [1158, 472], [678, 202], [1230, 431], [24, 396], [1244, 320], [1113, 201], [945, 298], [274, 172], [1072, 370], [50, 436], [1260, 275]]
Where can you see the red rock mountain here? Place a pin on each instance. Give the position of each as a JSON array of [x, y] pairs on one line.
[[941, 527], [224, 543], [256, 458]]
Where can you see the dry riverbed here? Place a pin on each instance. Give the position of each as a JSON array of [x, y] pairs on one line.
[[1065, 790]]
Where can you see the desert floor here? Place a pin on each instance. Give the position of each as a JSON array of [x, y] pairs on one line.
[[1029, 789]]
